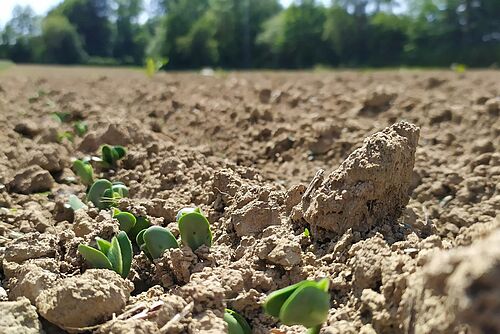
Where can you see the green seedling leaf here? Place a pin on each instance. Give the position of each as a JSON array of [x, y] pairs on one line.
[[140, 238], [153, 65], [324, 284], [115, 256], [75, 203], [65, 135], [195, 230], [307, 234], [94, 257], [184, 211], [84, 171], [308, 305], [107, 155], [275, 300], [111, 154], [150, 67], [458, 68], [120, 151], [97, 191], [110, 197], [80, 128], [232, 324], [141, 223], [62, 116], [126, 220], [236, 323], [157, 239], [120, 189], [126, 251], [103, 245]]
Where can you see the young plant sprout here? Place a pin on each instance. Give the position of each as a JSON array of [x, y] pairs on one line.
[[62, 116], [80, 128], [84, 171], [153, 66], [65, 135], [105, 194], [236, 323], [305, 303], [155, 240], [75, 203], [115, 255], [194, 228], [141, 224], [126, 219], [111, 154]]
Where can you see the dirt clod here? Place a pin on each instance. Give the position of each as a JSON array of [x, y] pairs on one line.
[[19, 317], [371, 185], [32, 179], [84, 300]]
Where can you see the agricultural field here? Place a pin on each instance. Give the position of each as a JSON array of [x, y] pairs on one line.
[[382, 187]]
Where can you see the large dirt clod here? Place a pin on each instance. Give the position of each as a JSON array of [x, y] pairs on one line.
[[31, 246], [32, 179], [84, 300], [371, 185], [19, 317], [30, 281], [465, 281], [254, 217]]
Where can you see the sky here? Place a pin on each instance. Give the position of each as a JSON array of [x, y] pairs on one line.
[[39, 6], [42, 6]]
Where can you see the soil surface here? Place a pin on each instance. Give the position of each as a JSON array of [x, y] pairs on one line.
[[395, 174]]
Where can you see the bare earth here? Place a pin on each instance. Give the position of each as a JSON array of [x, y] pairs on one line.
[[395, 174]]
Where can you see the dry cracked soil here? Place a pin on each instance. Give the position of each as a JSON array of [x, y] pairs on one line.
[[395, 174]]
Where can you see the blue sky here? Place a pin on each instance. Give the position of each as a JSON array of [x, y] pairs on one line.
[[42, 6]]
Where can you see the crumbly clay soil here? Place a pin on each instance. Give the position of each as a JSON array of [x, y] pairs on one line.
[[395, 174]]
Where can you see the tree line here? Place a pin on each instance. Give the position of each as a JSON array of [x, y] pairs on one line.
[[258, 33]]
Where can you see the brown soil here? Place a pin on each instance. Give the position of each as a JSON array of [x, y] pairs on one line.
[[395, 174]]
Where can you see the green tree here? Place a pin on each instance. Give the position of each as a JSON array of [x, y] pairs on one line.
[[238, 23], [199, 44], [299, 35], [18, 34], [387, 39], [61, 42], [130, 41], [447, 31], [91, 20], [178, 22], [343, 35]]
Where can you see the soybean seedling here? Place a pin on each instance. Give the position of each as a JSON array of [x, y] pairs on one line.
[[155, 240], [84, 171], [65, 135], [305, 303], [105, 194], [111, 154], [80, 128], [236, 323], [153, 66], [141, 224], [126, 219], [194, 228], [61, 117], [75, 203], [115, 255]]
